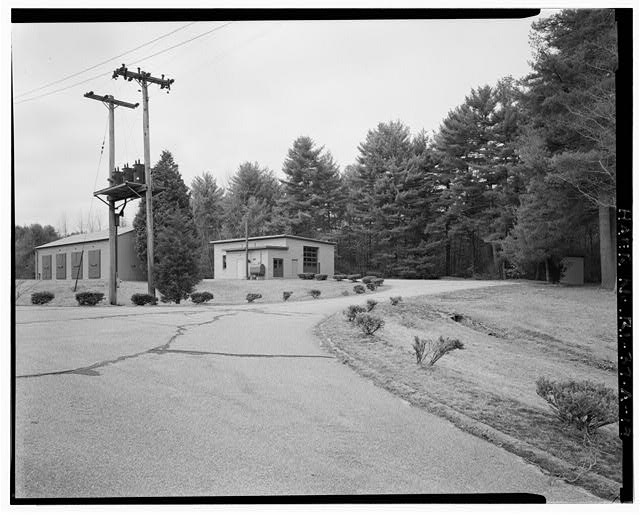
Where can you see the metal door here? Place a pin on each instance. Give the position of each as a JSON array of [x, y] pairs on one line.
[[94, 264], [46, 267], [241, 268], [61, 266], [278, 267], [294, 267], [76, 265]]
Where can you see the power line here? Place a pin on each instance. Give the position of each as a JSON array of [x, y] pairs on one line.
[[104, 62], [136, 62]]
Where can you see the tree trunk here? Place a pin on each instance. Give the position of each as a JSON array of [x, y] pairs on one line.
[[546, 270], [607, 221]]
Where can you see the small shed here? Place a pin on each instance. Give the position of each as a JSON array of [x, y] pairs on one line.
[[573, 271], [283, 256], [86, 256]]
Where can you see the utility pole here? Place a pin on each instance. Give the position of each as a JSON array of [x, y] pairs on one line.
[[144, 79], [111, 104]]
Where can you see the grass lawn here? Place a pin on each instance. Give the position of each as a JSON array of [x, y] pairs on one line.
[[225, 291], [512, 334]]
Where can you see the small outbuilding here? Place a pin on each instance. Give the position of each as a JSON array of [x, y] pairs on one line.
[[272, 257], [86, 256]]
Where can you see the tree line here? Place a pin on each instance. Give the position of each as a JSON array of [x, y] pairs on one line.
[[517, 177]]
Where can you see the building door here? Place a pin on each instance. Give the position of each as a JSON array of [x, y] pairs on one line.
[[76, 265], [242, 270], [94, 264], [46, 267], [310, 260], [61, 266], [278, 267], [294, 267]]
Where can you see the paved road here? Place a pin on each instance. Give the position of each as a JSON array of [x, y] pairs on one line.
[[238, 400]]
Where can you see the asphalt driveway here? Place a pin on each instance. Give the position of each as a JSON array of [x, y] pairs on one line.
[[241, 400]]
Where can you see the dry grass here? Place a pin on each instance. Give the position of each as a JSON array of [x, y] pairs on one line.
[[512, 335], [225, 291]]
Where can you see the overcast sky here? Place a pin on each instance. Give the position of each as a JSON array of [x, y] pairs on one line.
[[241, 93]]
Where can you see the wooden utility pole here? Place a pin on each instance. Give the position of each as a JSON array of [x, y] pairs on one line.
[[111, 104], [144, 79]]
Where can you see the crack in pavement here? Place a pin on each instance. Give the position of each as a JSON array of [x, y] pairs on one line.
[[242, 355], [90, 370], [104, 317]]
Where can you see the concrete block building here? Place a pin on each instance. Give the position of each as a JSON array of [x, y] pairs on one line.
[[86, 256], [283, 256]]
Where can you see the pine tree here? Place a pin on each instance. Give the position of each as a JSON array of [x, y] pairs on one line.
[[208, 214], [571, 104], [170, 207]]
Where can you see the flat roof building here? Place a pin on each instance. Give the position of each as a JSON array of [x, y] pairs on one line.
[[282, 256]]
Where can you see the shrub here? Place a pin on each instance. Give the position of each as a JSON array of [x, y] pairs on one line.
[[140, 299], [339, 277], [321, 277], [378, 281], [368, 279], [353, 277], [89, 298], [371, 286], [352, 311], [371, 304], [201, 296], [315, 293], [345, 293], [42, 297], [395, 300], [369, 323], [286, 295], [359, 288], [306, 276], [584, 404], [253, 296], [434, 349]]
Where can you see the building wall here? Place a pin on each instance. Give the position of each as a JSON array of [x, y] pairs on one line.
[[326, 254], [129, 266]]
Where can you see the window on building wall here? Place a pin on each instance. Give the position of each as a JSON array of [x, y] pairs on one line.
[[224, 262], [310, 260]]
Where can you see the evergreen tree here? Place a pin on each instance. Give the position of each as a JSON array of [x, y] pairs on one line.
[[176, 273], [311, 190], [254, 192], [571, 106], [208, 214], [170, 207]]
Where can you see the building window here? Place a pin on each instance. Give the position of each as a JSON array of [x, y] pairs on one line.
[[224, 262], [310, 260]]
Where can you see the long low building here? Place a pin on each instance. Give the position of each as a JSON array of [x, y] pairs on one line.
[[86, 256], [283, 256]]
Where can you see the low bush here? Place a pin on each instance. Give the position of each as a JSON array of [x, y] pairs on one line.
[[89, 298], [395, 300], [434, 349], [315, 293], [369, 323], [352, 311], [371, 286], [378, 281], [353, 277], [368, 279], [286, 295], [584, 404], [200, 297], [306, 276], [42, 297], [339, 277], [359, 288], [371, 304], [321, 277], [253, 296], [345, 293], [140, 299]]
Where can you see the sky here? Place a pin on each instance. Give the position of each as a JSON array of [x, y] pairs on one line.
[[243, 92]]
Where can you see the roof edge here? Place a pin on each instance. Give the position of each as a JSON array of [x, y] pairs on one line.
[[270, 237]]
